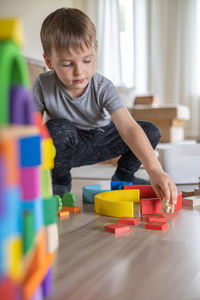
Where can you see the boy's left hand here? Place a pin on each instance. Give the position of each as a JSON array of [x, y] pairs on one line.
[[164, 186]]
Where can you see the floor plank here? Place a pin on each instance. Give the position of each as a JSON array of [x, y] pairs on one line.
[[92, 264]]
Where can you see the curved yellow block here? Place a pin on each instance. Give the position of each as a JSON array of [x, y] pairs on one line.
[[119, 203]]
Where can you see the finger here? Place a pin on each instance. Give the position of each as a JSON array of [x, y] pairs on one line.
[[173, 192], [159, 192], [166, 192]]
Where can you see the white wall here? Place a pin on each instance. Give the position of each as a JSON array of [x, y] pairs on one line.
[[32, 14]]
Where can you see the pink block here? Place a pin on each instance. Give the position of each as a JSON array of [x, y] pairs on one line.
[[30, 182]]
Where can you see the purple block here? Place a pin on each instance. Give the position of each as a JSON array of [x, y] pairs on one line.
[[38, 294], [47, 283], [21, 106], [30, 182]]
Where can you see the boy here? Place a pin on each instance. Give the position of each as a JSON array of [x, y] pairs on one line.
[[77, 102]]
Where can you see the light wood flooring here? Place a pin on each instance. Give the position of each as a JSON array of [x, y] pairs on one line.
[[92, 264]]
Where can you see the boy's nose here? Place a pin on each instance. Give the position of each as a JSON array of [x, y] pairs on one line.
[[77, 70]]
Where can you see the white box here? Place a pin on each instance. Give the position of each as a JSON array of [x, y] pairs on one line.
[[181, 161]]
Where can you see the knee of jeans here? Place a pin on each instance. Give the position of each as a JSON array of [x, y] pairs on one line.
[[62, 131], [152, 131]]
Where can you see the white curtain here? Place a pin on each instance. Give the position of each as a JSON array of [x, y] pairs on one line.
[[109, 60], [173, 55]]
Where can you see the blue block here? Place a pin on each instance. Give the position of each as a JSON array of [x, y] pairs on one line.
[[36, 207], [30, 151], [118, 185], [10, 220], [89, 191]]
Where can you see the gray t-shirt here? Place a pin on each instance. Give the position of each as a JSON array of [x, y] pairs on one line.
[[88, 111]]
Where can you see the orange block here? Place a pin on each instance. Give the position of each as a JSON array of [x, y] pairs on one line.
[[9, 151], [71, 208], [33, 281], [42, 127], [63, 214], [39, 254]]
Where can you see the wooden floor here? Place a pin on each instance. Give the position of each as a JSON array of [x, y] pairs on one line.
[[92, 264]]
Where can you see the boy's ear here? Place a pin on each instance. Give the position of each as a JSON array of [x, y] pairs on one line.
[[47, 61]]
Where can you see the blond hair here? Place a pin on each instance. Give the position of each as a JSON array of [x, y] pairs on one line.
[[67, 28]]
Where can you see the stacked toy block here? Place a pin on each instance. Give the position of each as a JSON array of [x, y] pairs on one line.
[[28, 228]]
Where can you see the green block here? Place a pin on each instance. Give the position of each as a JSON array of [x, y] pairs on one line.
[[59, 202], [13, 72], [50, 210], [28, 232], [46, 184], [69, 199]]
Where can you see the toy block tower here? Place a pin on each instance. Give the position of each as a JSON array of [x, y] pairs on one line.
[[28, 224]]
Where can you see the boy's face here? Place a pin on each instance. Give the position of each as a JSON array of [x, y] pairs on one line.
[[74, 68]]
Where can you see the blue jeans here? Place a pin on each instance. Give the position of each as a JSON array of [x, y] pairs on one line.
[[76, 147]]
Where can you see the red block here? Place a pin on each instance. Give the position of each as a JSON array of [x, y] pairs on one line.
[[146, 191], [117, 228], [7, 289], [128, 221], [156, 225], [178, 204], [150, 206], [156, 218]]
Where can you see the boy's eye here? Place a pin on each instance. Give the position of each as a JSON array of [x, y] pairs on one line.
[[66, 65], [87, 61]]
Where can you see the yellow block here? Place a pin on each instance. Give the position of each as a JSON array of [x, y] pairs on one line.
[[11, 29], [48, 154], [15, 259], [118, 203]]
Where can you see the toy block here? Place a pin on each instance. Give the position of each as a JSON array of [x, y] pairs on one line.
[[59, 202], [128, 221], [150, 206], [30, 153], [21, 106], [14, 264], [63, 214], [28, 231], [7, 289], [9, 152], [52, 237], [13, 72], [47, 283], [42, 127], [69, 199], [48, 154], [14, 132], [118, 185], [38, 295], [34, 259], [46, 186], [191, 201], [89, 191], [36, 207], [50, 210], [30, 182], [156, 225], [2, 185], [117, 203], [32, 282], [11, 29], [178, 204], [117, 228], [146, 191], [10, 221], [73, 209], [156, 218]]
